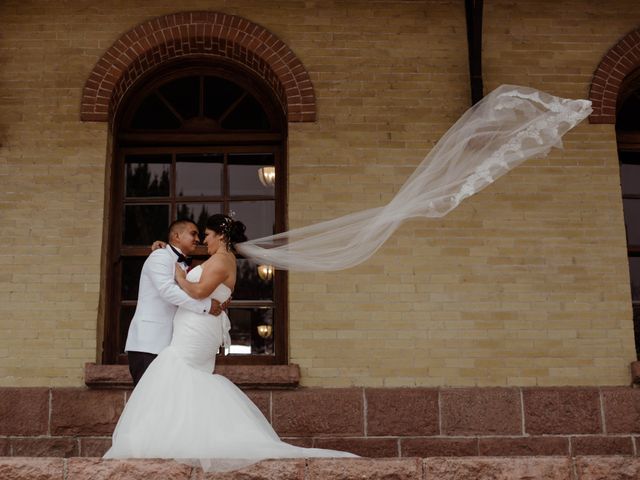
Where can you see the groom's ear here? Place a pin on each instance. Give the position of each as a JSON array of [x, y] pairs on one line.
[[172, 235]]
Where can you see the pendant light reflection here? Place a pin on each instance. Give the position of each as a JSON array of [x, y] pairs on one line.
[[265, 272], [267, 176], [265, 331]]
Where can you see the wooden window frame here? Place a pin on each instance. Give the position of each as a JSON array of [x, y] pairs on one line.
[[176, 142], [630, 142]]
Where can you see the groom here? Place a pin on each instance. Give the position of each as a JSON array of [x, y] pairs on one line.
[[159, 296]]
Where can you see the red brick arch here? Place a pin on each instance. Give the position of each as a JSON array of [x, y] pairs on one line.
[[214, 34], [619, 62]]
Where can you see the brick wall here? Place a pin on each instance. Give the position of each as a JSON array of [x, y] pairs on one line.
[[524, 284]]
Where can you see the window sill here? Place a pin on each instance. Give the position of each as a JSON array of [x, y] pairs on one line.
[[244, 376]]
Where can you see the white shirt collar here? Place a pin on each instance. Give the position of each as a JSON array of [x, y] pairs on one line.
[[168, 247]]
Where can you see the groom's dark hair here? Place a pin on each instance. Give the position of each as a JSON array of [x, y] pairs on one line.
[[178, 226]]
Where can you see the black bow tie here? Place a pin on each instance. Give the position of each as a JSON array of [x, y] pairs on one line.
[[181, 258]]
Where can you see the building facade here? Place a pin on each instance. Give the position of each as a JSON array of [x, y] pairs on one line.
[[526, 283]]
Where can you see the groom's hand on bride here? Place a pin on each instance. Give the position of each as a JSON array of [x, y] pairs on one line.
[[158, 244], [217, 308], [181, 273]]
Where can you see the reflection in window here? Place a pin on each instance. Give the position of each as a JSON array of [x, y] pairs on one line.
[[628, 123], [634, 267], [126, 314], [631, 214], [147, 176], [249, 284], [259, 217], [244, 174], [252, 330], [145, 223], [131, 269], [192, 144], [198, 213], [630, 179], [199, 175]]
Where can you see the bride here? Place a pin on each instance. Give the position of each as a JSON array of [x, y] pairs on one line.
[[179, 409]]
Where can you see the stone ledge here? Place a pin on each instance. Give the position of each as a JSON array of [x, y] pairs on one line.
[[442, 468], [244, 376], [531, 412], [85, 444]]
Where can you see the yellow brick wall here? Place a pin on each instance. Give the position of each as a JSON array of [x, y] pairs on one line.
[[525, 284]]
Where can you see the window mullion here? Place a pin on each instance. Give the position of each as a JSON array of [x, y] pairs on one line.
[[172, 189], [225, 184]]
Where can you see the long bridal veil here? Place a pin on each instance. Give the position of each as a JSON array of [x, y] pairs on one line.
[[508, 126]]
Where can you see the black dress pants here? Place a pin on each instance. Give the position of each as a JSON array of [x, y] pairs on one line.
[[138, 363]]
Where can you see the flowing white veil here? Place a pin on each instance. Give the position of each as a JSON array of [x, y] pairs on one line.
[[508, 126]]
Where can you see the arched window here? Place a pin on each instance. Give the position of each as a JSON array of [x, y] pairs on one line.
[[191, 141], [628, 134]]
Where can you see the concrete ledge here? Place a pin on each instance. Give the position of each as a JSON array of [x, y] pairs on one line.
[[442, 468], [244, 376]]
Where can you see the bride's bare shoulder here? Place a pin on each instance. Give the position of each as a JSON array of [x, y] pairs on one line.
[[219, 262]]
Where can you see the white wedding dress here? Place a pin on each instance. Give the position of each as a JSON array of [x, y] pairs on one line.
[[180, 410]]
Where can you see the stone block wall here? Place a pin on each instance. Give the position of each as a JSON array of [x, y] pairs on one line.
[[442, 468], [397, 422]]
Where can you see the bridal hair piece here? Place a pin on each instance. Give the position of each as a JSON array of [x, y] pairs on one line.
[[233, 231], [504, 129], [226, 225]]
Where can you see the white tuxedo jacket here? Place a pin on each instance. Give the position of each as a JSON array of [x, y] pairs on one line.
[[158, 299]]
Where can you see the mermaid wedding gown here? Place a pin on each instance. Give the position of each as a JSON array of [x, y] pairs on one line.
[[180, 410]]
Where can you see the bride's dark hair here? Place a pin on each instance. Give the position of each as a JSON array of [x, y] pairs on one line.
[[231, 230]]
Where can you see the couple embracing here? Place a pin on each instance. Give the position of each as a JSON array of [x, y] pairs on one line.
[[178, 409], [160, 295]]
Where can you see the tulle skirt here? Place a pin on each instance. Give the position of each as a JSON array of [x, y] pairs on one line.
[[179, 412]]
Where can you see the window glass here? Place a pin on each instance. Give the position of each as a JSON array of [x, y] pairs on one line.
[[219, 95], [258, 217], [251, 174], [632, 220], [248, 115], [147, 175], [199, 175], [252, 331], [634, 268], [126, 314], [183, 95], [627, 117], [154, 114], [189, 151], [131, 269], [198, 212], [253, 282], [145, 223], [630, 178]]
